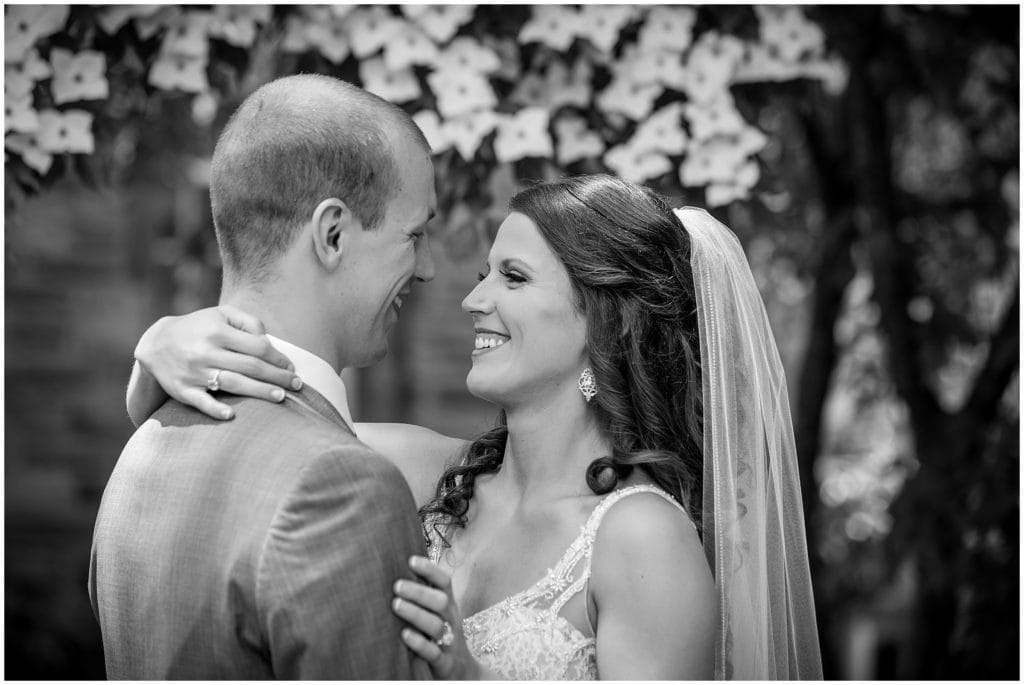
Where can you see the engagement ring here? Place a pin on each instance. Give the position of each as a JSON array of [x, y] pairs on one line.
[[447, 636], [213, 385]]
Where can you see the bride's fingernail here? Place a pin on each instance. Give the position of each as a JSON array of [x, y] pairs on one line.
[[297, 383], [398, 586], [278, 395], [397, 604], [226, 414]]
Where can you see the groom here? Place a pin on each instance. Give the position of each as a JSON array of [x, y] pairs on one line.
[[267, 546]]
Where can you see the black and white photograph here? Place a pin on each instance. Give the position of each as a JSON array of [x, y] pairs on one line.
[[511, 342]]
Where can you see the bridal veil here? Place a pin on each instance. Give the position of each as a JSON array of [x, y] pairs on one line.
[[754, 534]]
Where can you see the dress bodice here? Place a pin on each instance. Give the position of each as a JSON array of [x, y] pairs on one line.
[[525, 637]]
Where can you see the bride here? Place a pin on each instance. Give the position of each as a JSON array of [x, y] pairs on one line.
[[636, 512]]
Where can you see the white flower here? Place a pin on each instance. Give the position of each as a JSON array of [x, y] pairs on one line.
[[409, 46], [459, 91], [751, 140], [27, 146], [187, 35], [395, 86], [78, 77], [295, 39], [576, 141], [601, 24], [237, 24], [112, 17], [69, 131], [465, 53], [20, 77], [370, 29], [625, 96], [634, 165], [558, 87], [714, 117], [744, 179], [25, 24], [170, 72], [148, 25], [532, 91], [788, 30], [467, 132], [714, 161], [553, 25], [654, 66], [433, 130], [338, 11], [329, 36], [711, 65], [19, 114], [662, 131], [762, 63], [524, 134], [719, 194], [439, 21], [668, 28], [832, 73], [204, 108]]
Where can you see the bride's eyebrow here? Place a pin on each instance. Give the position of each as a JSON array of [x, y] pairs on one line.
[[514, 263]]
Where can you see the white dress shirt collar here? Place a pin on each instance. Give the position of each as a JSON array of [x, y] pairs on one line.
[[317, 374]]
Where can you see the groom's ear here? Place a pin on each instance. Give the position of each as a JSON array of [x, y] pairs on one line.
[[333, 225]]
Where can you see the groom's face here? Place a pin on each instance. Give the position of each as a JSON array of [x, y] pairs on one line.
[[384, 262]]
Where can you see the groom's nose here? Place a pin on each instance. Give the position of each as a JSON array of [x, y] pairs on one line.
[[425, 267]]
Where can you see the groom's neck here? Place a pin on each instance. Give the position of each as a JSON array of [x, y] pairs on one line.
[[284, 316]]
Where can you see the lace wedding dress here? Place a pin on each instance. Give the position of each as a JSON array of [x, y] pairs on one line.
[[524, 637]]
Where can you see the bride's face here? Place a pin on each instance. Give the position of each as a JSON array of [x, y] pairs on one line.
[[529, 338]]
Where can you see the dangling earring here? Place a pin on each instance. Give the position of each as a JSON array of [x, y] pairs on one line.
[[588, 386]]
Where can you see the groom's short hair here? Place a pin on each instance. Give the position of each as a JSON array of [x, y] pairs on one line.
[[291, 144]]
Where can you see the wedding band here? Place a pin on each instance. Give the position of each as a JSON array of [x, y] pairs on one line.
[[213, 385], [447, 636]]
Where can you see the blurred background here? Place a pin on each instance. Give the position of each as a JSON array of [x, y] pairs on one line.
[[867, 158]]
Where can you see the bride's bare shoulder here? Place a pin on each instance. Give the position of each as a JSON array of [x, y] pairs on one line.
[[649, 527], [419, 453]]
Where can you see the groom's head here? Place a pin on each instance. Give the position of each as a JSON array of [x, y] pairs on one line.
[[320, 186]]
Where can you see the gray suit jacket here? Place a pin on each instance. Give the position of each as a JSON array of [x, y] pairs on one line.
[[262, 547]]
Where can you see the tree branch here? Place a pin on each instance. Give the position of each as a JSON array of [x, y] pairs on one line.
[[1003, 359], [892, 266]]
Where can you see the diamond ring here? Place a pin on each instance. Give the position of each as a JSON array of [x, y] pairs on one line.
[[447, 636], [213, 385]]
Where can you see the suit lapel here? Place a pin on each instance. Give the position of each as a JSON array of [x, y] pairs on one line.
[[318, 404]]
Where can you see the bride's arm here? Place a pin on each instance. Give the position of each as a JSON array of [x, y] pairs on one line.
[[654, 593], [177, 355], [419, 453]]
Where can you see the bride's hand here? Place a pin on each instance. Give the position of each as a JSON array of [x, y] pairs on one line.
[[182, 353], [429, 609]]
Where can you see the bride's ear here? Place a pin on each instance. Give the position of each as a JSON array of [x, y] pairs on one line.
[[333, 225]]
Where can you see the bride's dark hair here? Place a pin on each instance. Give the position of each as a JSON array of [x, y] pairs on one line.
[[628, 260]]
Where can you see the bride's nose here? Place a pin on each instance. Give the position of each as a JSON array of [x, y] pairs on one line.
[[477, 301]]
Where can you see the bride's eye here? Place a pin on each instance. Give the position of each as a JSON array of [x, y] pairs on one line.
[[513, 277]]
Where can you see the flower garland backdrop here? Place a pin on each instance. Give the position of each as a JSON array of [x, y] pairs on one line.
[[641, 92]]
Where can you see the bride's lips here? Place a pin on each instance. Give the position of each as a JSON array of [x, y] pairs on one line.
[[487, 340]]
